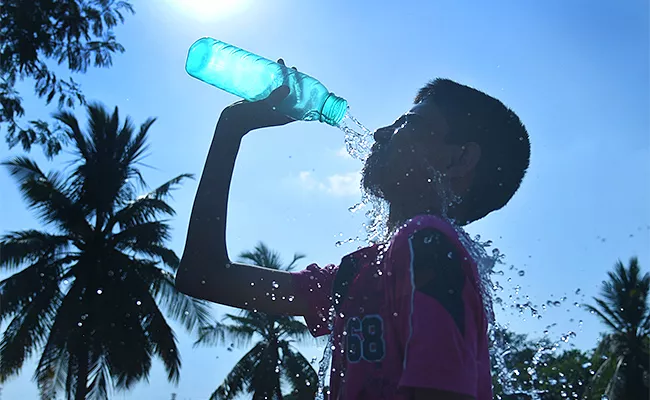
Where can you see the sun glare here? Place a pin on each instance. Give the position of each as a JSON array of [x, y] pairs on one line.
[[209, 10]]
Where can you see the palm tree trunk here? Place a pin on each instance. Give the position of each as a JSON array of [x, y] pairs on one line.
[[82, 373], [634, 385]]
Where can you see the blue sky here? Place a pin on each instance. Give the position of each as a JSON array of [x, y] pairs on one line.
[[576, 73]]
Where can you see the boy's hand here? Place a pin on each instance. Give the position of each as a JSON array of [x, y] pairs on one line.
[[245, 116]]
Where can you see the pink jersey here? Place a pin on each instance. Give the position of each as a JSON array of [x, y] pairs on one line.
[[407, 315]]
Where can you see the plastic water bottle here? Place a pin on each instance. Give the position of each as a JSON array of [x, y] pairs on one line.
[[253, 78]]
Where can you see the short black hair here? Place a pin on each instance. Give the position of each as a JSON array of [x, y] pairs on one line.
[[473, 116]]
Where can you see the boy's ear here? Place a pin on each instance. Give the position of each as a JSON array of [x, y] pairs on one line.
[[464, 160]]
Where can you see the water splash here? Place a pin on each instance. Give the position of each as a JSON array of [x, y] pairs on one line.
[[358, 138], [324, 363]]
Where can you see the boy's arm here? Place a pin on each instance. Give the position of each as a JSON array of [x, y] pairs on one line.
[[206, 271]]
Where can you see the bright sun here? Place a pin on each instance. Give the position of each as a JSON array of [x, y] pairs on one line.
[[210, 10]]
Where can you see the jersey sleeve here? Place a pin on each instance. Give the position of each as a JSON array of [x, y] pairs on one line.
[[435, 302], [314, 285]]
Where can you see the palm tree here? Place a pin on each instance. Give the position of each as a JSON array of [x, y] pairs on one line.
[[623, 307], [273, 359], [87, 293]]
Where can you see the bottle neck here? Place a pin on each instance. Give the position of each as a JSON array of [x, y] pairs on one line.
[[334, 110]]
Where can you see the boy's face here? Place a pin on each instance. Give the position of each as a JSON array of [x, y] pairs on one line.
[[411, 157]]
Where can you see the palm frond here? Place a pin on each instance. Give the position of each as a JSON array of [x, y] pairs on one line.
[[28, 330], [263, 256], [296, 257], [53, 373], [138, 146], [48, 196], [257, 321], [163, 340], [239, 378], [17, 248], [164, 191], [72, 129], [218, 333], [19, 289], [211, 335], [291, 328], [615, 325], [101, 383], [55, 370], [142, 236], [190, 312], [298, 372], [143, 209], [158, 253]]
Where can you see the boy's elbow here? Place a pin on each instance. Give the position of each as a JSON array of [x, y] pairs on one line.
[[185, 280]]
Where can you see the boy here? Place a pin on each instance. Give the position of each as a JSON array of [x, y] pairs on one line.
[[408, 318]]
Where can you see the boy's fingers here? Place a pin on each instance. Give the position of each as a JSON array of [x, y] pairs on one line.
[[278, 95]]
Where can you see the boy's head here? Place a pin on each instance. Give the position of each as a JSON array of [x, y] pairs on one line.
[[456, 139]]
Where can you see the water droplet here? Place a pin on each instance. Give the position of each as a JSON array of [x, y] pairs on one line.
[[110, 273], [203, 282], [99, 291], [227, 265], [79, 324], [290, 298], [275, 285], [394, 314], [521, 273], [138, 302], [450, 255], [252, 283], [65, 281], [307, 383]]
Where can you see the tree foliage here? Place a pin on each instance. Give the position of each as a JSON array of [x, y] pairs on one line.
[[91, 294], [41, 36]]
